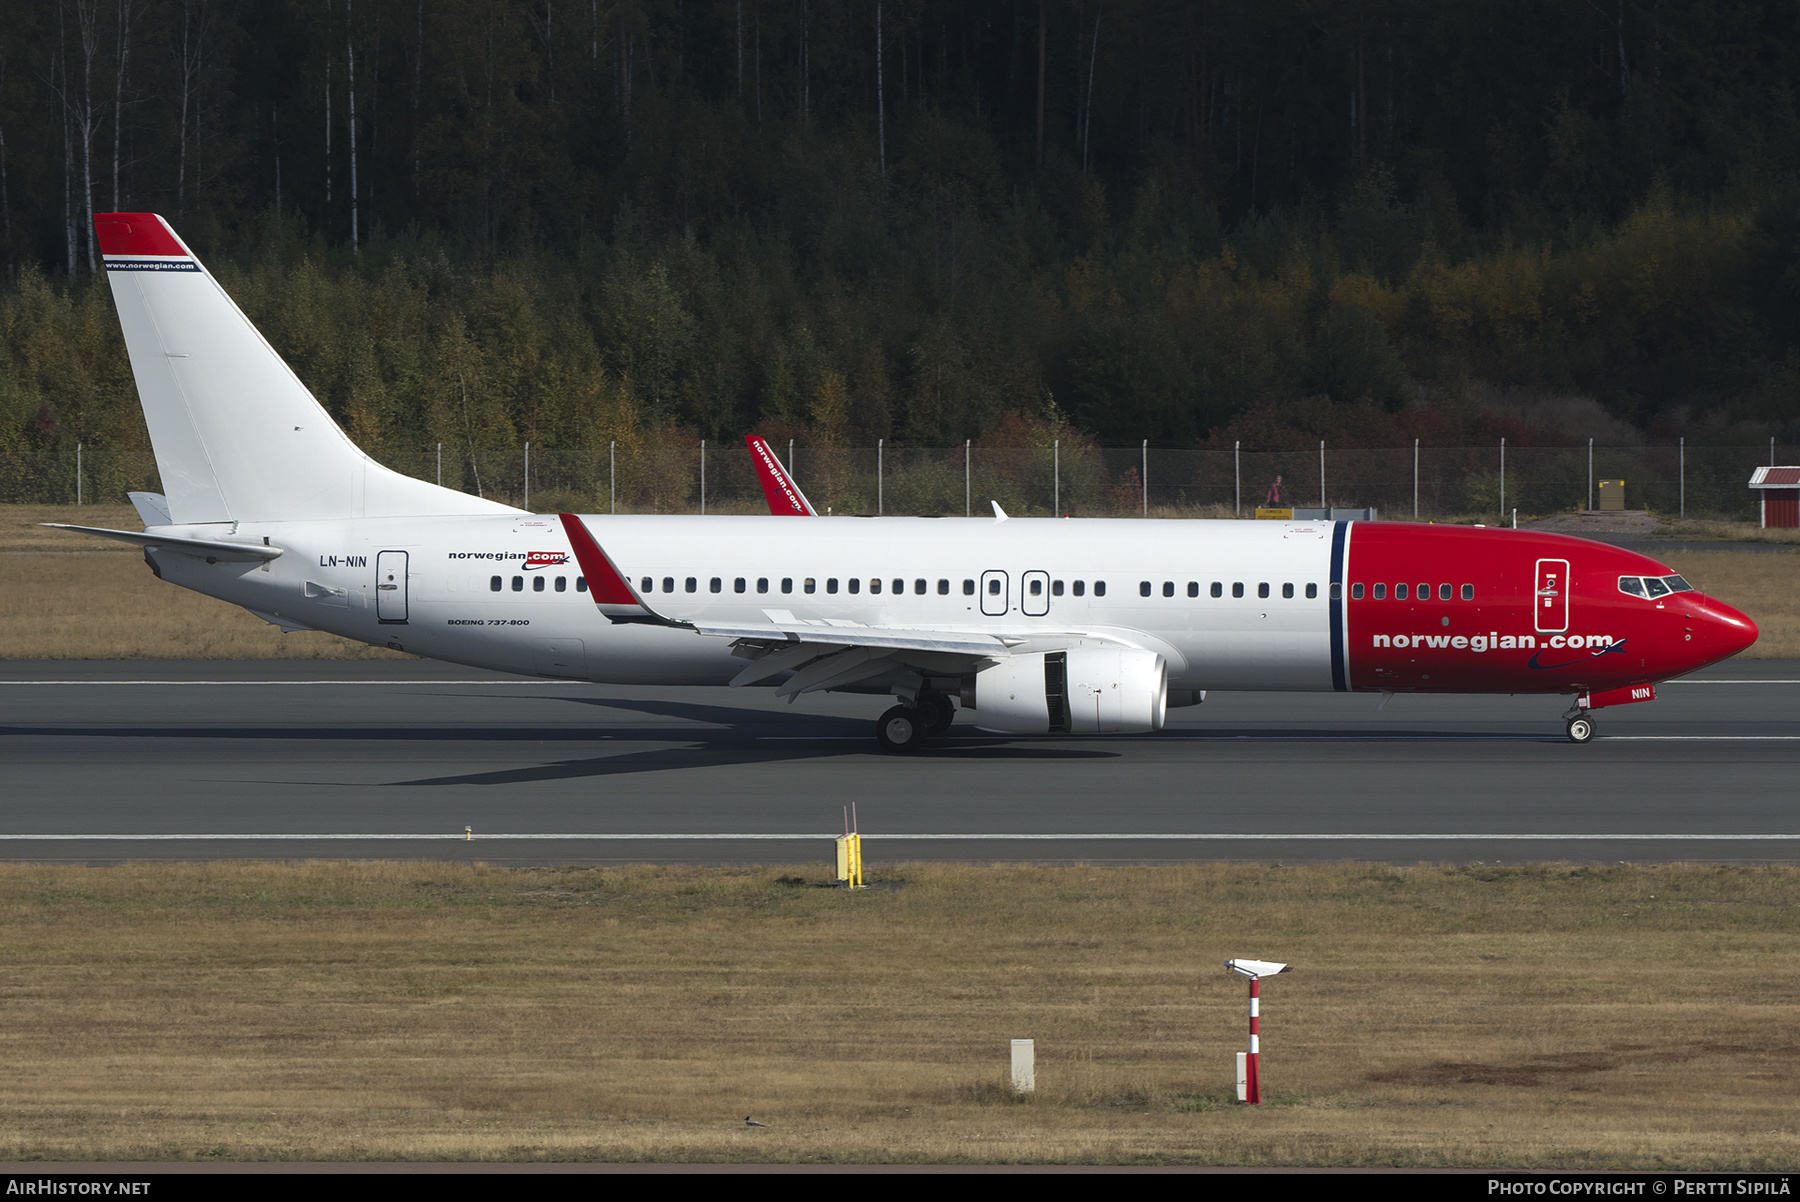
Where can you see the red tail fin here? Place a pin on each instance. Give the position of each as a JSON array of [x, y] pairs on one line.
[[784, 496]]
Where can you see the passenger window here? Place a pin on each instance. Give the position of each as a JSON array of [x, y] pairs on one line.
[[899, 585], [1632, 585], [1143, 588], [831, 584], [1099, 588], [1312, 591], [1443, 592], [1080, 587], [968, 588], [1237, 588], [762, 584], [1037, 587], [1193, 588], [737, 586], [1424, 593], [1218, 588], [1468, 592], [856, 585], [787, 584], [1287, 591], [562, 584], [716, 585], [1399, 592], [918, 588], [1356, 592], [518, 584], [647, 585], [1168, 588], [693, 585], [943, 588], [668, 584], [494, 584], [1262, 590], [537, 584], [994, 587], [809, 585], [874, 586], [581, 584], [1056, 588], [1654, 587]]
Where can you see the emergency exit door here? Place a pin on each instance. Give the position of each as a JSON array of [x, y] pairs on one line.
[[390, 587], [1550, 605]]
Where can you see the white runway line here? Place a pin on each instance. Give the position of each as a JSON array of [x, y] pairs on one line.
[[285, 683], [902, 837]]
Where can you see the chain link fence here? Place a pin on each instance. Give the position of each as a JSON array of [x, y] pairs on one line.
[[1401, 483]]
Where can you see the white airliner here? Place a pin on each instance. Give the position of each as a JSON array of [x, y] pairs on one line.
[[1040, 626]]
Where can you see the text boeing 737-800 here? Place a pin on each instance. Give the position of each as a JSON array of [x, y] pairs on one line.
[[1038, 626]]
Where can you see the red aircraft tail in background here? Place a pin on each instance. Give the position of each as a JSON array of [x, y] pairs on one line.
[[784, 496]]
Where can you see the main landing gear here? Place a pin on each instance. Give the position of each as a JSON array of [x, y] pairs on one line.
[[905, 727]]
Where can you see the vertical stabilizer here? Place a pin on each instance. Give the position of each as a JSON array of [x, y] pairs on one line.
[[237, 436]]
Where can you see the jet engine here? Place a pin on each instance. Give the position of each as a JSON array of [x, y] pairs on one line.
[[1083, 691]]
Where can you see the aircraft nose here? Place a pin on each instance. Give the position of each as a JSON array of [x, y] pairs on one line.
[[1727, 630]]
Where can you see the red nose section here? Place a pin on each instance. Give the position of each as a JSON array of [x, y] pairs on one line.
[[1728, 630]]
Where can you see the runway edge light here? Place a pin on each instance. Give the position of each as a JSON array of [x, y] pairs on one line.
[[1249, 1085]]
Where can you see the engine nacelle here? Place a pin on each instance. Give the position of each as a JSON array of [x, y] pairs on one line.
[[1082, 691]]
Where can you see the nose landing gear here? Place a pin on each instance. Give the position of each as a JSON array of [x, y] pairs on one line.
[[1579, 727]]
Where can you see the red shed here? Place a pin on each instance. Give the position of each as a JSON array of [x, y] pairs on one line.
[[1779, 488]]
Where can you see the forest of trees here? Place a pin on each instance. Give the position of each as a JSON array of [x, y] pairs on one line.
[[572, 222]]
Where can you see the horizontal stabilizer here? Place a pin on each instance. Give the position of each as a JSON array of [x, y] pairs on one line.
[[206, 548]]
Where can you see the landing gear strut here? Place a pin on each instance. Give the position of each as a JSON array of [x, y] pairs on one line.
[[1580, 727]]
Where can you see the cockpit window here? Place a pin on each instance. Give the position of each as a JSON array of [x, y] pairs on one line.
[[1677, 584], [1654, 587], [1632, 585]]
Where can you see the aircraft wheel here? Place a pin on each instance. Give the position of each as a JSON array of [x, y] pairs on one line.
[[939, 712], [901, 729], [1580, 728]]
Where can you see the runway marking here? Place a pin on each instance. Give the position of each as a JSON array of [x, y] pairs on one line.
[[902, 837], [1369, 737], [510, 683]]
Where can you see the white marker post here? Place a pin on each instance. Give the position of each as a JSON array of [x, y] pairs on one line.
[[1024, 1066], [1249, 1088]]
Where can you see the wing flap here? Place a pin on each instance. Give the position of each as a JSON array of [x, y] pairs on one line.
[[891, 638]]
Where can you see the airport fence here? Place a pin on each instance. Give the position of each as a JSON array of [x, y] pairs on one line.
[[1083, 481]]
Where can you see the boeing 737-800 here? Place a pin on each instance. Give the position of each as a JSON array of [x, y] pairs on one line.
[[1040, 626]]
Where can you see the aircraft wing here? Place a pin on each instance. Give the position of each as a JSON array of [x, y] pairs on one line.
[[783, 495]]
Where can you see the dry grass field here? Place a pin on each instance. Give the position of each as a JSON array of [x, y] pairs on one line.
[[72, 596], [1644, 1017]]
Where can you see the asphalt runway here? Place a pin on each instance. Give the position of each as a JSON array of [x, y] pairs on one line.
[[101, 762]]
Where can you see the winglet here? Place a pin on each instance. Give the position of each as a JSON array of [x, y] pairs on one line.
[[612, 593], [783, 495], [999, 513]]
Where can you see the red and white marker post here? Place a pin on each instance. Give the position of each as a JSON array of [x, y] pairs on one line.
[[1249, 1086]]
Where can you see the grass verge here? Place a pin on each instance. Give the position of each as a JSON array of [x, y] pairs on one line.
[[1547, 1017]]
